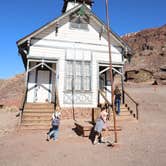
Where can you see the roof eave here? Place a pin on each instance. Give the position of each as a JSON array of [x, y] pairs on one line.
[[117, 37], [19, 42]]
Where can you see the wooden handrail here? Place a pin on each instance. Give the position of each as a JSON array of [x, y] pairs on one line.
[[130, 97], [21, 108], [23, 99], [107, 90], [56, 100], [101, 92], [107, 101], [137, 104]]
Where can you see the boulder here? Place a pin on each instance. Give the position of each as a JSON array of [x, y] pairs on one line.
[[141, 75]]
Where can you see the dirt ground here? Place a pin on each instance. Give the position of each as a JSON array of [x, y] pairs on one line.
[[140, 143]]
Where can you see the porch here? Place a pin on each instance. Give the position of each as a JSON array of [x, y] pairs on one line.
[[36, 113], [40, 81]]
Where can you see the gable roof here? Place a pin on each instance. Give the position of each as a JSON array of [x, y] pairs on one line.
[[56, 21]]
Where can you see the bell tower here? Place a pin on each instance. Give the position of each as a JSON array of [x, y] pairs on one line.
[[69, 4]]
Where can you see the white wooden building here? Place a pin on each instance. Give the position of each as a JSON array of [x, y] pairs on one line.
[[69, 56]]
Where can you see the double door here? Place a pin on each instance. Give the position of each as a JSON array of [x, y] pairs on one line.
[[40, 86]]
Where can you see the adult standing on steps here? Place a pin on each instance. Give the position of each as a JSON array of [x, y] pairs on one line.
[[117, 94]]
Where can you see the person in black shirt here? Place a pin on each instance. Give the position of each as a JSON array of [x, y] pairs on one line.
[[117, 94]]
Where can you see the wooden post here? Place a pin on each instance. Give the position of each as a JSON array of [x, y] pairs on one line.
[[27, 75], [122, 80], [111, 75], [137, 111], [73, 92], [26, 81]]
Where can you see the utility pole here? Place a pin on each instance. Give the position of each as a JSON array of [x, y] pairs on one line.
[[111, 75]]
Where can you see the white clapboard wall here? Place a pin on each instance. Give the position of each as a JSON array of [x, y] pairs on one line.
[[73, 44]]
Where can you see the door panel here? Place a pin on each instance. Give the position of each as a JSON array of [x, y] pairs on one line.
[[31, 87], [42, 90]]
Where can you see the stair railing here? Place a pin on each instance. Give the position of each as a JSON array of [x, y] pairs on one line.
[[56, 100], [107, 90], [104, 97], [136, 104], [22, 104], [101, 92]]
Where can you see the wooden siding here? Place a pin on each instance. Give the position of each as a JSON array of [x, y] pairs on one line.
[[74, 44], [48, 44], [45, 52]]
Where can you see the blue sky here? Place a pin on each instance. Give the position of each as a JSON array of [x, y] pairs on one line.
[[21, 17]]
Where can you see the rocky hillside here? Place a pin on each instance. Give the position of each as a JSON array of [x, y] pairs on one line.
[[11, 91], [149, 59]]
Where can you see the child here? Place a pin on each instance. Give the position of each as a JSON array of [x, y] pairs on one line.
[[55, 126], [100, 124]]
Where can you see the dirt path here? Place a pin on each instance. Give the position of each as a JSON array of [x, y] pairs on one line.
[[141, 143]]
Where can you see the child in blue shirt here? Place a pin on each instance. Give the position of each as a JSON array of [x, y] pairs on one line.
[[55, 126]]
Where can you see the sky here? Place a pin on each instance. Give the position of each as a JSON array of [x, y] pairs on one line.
[[19, 18]]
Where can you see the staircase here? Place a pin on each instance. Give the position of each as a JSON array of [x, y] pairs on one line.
[[37, 116], [84, 127], [125, 114]]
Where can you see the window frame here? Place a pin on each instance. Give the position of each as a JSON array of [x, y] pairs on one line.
[[79, 26], [82, 76]]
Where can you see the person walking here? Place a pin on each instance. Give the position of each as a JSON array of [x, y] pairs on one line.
[[117, 95]]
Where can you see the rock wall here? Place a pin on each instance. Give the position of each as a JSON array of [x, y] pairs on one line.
[[149, 47], [11, 91]]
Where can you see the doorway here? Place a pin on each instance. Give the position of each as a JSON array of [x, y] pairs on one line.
[[41, 82], [104, 83], [43, 86]]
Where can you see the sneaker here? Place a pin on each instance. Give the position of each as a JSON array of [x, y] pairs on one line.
[[102, 140], [95, 141], [48, 138]]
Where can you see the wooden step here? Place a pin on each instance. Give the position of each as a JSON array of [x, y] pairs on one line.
[[36, 118], [37, 113], [123, 113], [84, 128], [39, 106], [35, 127], [36, 123], [38, 110], [123, 107], [123, 118]]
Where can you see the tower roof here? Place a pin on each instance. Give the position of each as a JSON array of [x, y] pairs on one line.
[[88, 2]]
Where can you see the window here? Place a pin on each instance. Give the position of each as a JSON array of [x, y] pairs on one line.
[[82, 26], [69, 76], [79, 22], [78, 76], [86, 76]]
